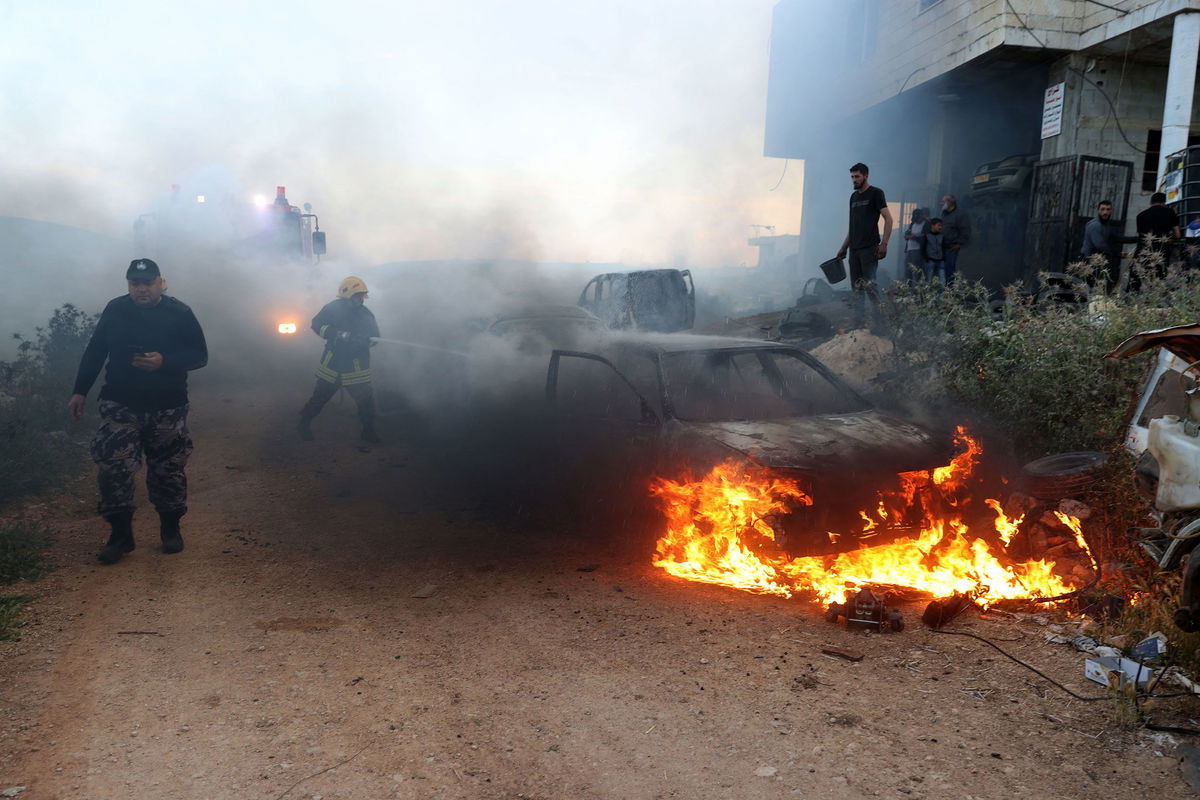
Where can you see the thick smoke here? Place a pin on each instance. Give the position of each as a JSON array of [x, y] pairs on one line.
[[467, 160], [604, 133]]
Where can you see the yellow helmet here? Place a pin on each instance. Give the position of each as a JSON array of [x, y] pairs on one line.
[[351, 286]]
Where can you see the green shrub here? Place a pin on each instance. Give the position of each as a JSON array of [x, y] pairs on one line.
[[1034, 375], [1034, 370], [35, 451]]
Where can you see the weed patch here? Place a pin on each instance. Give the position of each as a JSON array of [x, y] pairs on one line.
[[22, 552], [10, 610]]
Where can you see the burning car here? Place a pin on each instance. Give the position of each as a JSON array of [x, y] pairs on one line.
[[686, 403], [775, 477]]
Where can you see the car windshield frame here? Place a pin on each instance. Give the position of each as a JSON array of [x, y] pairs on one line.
[[676, 405]]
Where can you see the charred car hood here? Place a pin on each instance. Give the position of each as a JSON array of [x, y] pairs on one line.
[[1181, 340], [866, 441]]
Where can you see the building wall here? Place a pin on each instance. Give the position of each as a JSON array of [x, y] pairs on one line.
[[1089, 125], [1099, 23], [914, 45]]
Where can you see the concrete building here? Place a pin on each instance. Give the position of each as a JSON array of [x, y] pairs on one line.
[[774, 251], [964, 96]]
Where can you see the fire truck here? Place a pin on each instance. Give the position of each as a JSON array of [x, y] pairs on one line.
[[252, 228], [267, 252]]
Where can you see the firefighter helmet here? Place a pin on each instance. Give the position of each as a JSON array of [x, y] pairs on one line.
[[352, 286]]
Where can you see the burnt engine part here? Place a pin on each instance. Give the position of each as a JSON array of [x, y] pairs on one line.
[[939, 612], [867, 610]]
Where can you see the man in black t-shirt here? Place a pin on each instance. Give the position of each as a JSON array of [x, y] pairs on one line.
[[867, 205], [1161, 224], [150, 342]]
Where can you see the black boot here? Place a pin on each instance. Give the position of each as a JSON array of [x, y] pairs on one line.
[[120, 541], [172, 539], [304, 429]]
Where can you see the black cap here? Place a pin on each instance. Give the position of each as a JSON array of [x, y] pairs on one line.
[[142, 269]]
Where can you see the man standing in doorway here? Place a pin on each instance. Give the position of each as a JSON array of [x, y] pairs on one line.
[[347, 326], [956, 233], [151, 342], [1100, 239], [867, 205]]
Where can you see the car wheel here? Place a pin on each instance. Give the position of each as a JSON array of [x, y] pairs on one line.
[[1063, 475]]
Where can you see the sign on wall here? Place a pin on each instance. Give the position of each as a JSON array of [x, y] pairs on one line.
[[1052, 110]]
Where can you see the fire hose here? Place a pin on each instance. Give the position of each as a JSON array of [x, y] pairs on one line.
[[414, 345], [418, 346]]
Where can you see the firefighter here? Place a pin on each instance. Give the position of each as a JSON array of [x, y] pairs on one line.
[[347, 326], [151, 342]]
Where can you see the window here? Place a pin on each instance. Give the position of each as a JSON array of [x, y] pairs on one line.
[[1150, 165], [590, 388], [750, 385]]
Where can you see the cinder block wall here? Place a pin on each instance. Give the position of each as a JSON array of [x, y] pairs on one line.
[[1089, 125]]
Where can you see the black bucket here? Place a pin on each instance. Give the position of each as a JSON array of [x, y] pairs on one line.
[[834, 269]]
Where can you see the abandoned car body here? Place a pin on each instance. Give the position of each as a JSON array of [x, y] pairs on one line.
[[538, 328], [685, 403], [647, 300], [1164, 436]]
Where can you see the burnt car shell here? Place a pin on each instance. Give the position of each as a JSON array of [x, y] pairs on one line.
[[842, 455], [863, 441]]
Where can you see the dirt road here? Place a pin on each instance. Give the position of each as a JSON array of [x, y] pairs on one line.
[[283, 654]]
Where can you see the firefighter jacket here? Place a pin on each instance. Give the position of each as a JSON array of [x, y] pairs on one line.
[[347, 359]]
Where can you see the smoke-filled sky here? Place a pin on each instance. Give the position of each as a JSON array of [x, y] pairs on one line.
[[601, 130]]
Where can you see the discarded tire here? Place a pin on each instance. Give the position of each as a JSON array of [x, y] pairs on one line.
[[1064, 475]]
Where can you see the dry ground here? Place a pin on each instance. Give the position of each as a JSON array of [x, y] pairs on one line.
[[283, 654]]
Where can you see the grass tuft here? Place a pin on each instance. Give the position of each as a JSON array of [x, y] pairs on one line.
[[10, 611], [23, 552]]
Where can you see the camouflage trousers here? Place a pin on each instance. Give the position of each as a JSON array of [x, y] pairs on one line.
[[117, 448]]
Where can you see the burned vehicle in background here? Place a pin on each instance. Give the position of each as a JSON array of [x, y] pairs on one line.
[[661, 300], [661, 404], [541, 327], [1164, 436]]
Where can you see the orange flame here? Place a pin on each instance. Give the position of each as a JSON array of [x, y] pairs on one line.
[[287, 327], [722, 529]]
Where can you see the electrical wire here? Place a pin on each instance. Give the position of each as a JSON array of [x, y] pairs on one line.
[[1023, 25], [909, 78], [781, 177], [1122, 11], [1184, 533], [1029, 667], [1084, 698], [1116, 117]]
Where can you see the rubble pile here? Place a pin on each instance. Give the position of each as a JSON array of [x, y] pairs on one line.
[[858, 357]]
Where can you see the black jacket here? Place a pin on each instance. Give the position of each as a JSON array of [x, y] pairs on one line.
[[169, 328]]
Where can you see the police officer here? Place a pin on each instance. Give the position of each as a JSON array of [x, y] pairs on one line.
[[150, 342], [347, 327]]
